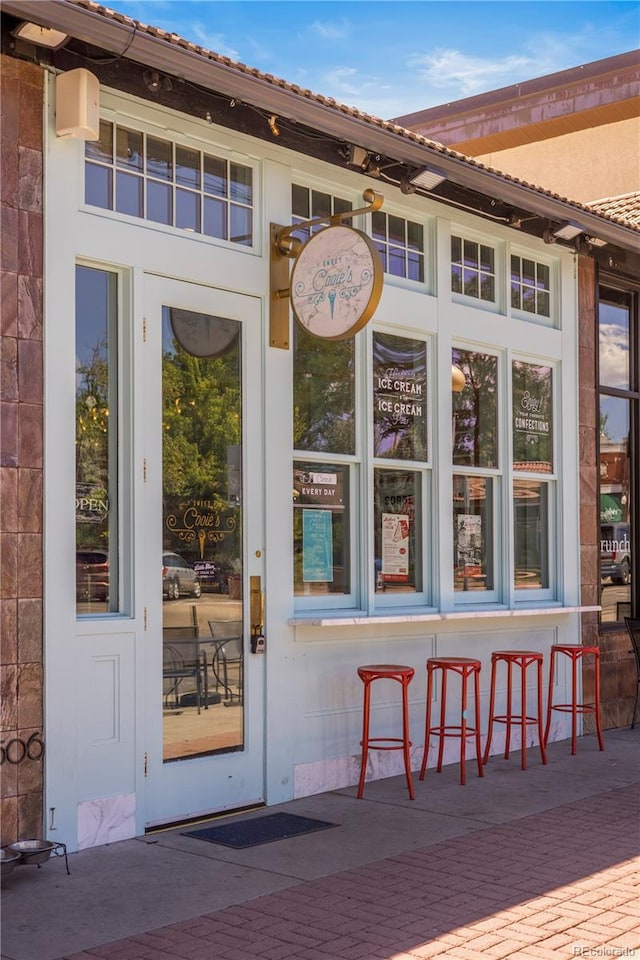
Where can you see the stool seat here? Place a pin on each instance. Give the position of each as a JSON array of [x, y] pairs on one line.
[[575, 652], [403, 675], [522, 659], [463, 667]]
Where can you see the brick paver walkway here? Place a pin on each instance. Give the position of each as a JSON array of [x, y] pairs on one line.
[[563, 883]]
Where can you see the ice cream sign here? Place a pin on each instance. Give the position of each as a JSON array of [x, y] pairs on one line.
[[336, 283]]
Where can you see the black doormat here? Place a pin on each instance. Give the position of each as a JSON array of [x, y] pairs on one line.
[[253, 832]]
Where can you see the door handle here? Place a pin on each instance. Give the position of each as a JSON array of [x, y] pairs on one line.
[[256, 612]]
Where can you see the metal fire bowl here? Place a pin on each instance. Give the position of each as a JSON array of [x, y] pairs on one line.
[[8, 860], [32, 851]]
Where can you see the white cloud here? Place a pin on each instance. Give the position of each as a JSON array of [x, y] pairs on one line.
[[199, 34], [614, 355], [331, 29], [451, 69]]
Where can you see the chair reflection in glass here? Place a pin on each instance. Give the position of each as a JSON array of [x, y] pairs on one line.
[[183, 658], [228, 659]]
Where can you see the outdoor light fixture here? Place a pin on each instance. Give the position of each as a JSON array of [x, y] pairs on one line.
[[596, 242], [40, 36], [567, 231], [358, 156], [425, 179]]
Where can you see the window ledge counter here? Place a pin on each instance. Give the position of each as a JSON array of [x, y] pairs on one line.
[[475, 614]]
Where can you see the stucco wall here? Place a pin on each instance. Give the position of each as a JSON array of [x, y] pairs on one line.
[[21, 445], [579, 165]]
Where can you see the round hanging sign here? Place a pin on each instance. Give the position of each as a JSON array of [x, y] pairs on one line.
[[336, 283]]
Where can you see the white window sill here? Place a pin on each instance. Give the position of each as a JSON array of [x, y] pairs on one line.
[[356, 619]]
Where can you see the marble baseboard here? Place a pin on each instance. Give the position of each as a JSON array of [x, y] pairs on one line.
[[106, 820]]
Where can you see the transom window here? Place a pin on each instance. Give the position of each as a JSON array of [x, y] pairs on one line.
[[530, 286], [134, 173], [473, 271], [308, 204], [400, 244]]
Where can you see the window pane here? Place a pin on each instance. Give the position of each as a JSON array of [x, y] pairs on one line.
[[613, 333], [159, 196], [475, 410], [399, 397], [101, 149], [471, 254], [487, 288], [396, 230], [320, 529], [456, 250], [323, 393], [215, 218], [532, 417], [300, 202], [215, 177], [472, 533], [188, 167], [159, 159], [241, 184], [615, 505], [397, 531], [378, 225], [96, 442], [98, 186], [471, 283], [487, 256], [320, 204], [188, 210], [396, 262], [129, 148], [456, 279], [415, 236], [241, 229], [129, 194], [201, 524], [415, 266], [531, 528]]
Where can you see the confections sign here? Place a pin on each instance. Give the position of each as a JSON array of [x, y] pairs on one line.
[[336, 283]]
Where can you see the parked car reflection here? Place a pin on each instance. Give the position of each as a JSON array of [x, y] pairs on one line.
[[178, 577]]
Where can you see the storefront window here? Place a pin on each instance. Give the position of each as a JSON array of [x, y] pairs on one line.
[[532, 410], [323, 394], [321, 529], [472, 533], [96, 442], [531, 539], [618, 420], [475, 412], [397, 529], [399, 397]]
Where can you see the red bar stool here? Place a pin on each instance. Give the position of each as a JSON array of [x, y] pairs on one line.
[[575, 652], [463, 667], [404, 675], [522, 659]]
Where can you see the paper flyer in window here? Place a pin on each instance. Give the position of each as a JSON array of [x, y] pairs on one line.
[[395, 547]]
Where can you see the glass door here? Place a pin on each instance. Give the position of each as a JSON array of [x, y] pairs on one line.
[[203, 518]]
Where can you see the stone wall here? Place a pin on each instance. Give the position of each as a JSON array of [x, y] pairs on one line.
[[21, 451]]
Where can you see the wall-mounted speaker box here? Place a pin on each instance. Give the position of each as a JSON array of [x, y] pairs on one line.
[[77, 105]]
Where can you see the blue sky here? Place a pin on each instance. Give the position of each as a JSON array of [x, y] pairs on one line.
[[391, 57]]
